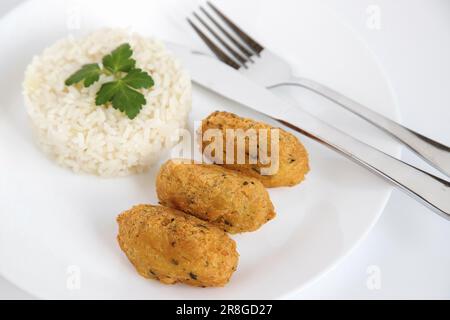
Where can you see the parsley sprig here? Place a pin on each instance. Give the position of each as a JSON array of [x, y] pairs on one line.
[[122, 92]]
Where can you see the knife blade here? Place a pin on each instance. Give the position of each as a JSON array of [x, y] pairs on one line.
[[212, 74]]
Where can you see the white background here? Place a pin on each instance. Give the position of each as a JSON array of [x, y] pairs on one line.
[[409, 246]]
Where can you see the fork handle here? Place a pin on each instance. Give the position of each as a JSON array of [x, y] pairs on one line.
[[435, 153], [432, 191]]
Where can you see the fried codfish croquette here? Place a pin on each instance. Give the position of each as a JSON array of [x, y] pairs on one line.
[[234, 202], [293, 157], [171, 246]]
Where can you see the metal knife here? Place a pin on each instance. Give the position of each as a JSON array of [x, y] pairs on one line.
[[212, 74]]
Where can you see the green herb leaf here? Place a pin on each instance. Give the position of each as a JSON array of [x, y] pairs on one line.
[[121, 91], [120, 59], [89, 74], [129, 101], [122, 97], [137, 79], [106, 93]]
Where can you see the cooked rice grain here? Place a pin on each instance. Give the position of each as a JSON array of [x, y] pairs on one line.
[[101, 140]]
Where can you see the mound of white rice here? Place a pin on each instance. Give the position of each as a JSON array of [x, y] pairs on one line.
[[96, 139]]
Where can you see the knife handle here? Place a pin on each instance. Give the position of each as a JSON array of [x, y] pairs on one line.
[[432, 191], [435, 153]]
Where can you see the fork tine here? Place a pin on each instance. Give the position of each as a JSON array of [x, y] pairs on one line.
[[233, 52], [244, 36], [243, 49], [222, 56]]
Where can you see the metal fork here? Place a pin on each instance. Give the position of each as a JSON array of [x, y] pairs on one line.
[[243, 53]]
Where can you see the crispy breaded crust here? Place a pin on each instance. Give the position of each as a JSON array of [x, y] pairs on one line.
[[171, 246], [232, 201], [293, 157]]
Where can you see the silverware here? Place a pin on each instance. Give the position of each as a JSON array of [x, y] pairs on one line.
[[220, 78], [269, 70]]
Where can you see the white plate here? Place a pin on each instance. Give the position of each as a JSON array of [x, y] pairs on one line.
[[54, 223]]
